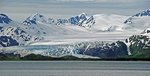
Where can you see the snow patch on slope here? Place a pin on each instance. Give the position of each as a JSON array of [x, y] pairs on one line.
[[108, 22]]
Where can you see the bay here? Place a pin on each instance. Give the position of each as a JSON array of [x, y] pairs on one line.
[[74, 68]]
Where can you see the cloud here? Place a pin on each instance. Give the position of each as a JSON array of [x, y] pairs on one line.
[[71, 7]]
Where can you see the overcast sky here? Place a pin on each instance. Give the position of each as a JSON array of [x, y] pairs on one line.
[[66, 8]]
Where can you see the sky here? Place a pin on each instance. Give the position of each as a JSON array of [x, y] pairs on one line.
[[20, 9]]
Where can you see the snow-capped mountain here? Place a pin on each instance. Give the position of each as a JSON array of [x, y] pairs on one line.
[[69, 34], [34, 19], [19, 32], [38, 18], [140, 20], [99, 22], [141, 14], [102, 22], [89, 22], [76, 20], [26, 33], [4, 19]]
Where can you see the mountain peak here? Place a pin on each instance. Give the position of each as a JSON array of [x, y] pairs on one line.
[[76, 20], [143, 13], [4, 19], [36, 15], [33, 19], [83, 16], [83, 13]]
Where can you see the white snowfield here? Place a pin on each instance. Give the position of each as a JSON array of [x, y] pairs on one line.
[[106, 28], [69, 39], [141, 23], [109, 22], [58, 40]]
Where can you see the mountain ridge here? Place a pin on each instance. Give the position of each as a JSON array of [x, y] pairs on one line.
[[141, 14], [4, 19]]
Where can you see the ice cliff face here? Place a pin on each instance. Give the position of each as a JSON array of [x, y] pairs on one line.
[[95, 49]]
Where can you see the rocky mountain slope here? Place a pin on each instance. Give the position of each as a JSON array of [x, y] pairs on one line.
[[21, 33], [4, 19], [140, 44], [99, 22]]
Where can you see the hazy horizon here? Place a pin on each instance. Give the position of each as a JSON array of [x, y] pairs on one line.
[[66, 8]]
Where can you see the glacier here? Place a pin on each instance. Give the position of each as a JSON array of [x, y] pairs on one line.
[[95, 49], [79, 35]]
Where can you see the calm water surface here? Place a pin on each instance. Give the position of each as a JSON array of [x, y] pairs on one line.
[[74, 68]]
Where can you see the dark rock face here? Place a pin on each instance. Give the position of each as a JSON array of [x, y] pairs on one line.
[[29, 22], [104, 50], [118, 49], [7, 41], [4, 19], [61, 21], [88, 23], [32, 20], [139, 46], [143, 13], [78, 19]]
